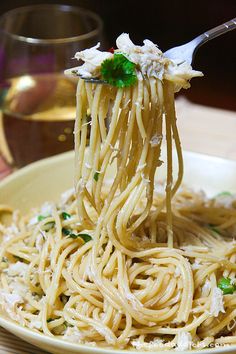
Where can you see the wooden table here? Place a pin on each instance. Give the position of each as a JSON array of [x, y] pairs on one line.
[[207, 130], [202, 129]]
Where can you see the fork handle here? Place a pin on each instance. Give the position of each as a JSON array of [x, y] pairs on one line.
[[215, 32]]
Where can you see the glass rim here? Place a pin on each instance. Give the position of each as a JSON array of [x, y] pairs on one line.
[[66, 8]]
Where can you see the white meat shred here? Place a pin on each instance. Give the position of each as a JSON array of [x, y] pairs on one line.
[[184, 341], [206, 288], [217, 302], [74, 335], [11, 299], [17, 269], [155, 140], [93, 59], [149, 60]]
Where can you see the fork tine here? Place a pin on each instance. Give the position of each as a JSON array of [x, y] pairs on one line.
[[93, 80], [74, 73]]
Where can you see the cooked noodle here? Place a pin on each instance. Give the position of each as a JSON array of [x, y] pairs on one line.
[[144, 271]]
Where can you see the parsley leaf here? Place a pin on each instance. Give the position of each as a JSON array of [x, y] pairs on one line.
[[224, 194], [41, 217], [65, 215], [119, 71], [85, 237], [214, 229], [226, 286], [95, 176], [65, 231]]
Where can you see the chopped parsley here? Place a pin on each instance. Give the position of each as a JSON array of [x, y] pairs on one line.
[[224, 194], [41, 218], [65, 231], [225, 284], [119, 71], [85, 237], [65, 215], [95, 176], [214, 229]]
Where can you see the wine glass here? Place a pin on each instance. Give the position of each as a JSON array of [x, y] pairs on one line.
[[37, 43]]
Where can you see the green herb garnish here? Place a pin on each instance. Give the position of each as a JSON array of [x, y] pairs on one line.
[[95, 176], [49, 320], [65, 215], [119, 71], [66, 232], [224, 194], [214, 229], [85, 237], [41, 217], [225, 284]]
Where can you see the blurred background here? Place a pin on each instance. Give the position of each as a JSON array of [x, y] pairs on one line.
[[169, 23], [37, 101]]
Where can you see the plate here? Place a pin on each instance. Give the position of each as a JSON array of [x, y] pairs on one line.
[[45, 180]]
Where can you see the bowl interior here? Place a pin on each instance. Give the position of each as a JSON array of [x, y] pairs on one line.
[[47, 179]]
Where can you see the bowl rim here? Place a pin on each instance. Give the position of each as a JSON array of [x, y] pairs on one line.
[[10, 326], [37, 165]]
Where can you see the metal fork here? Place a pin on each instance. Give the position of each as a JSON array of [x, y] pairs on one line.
[[186, 51], [92, 80]]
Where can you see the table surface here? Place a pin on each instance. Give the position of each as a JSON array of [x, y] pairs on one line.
[[202, 129]]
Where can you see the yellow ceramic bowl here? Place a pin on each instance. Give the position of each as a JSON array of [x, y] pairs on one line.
[[47, 179]]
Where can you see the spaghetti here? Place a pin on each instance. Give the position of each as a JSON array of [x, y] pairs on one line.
[[116, 263]]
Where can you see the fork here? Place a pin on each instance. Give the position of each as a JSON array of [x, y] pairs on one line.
[[185, 52]]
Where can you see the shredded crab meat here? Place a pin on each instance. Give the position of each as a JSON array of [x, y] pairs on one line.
[[149, 60], [93, 59], [217, 302]]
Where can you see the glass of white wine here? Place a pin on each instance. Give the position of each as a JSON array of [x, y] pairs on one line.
[[37, 43]]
